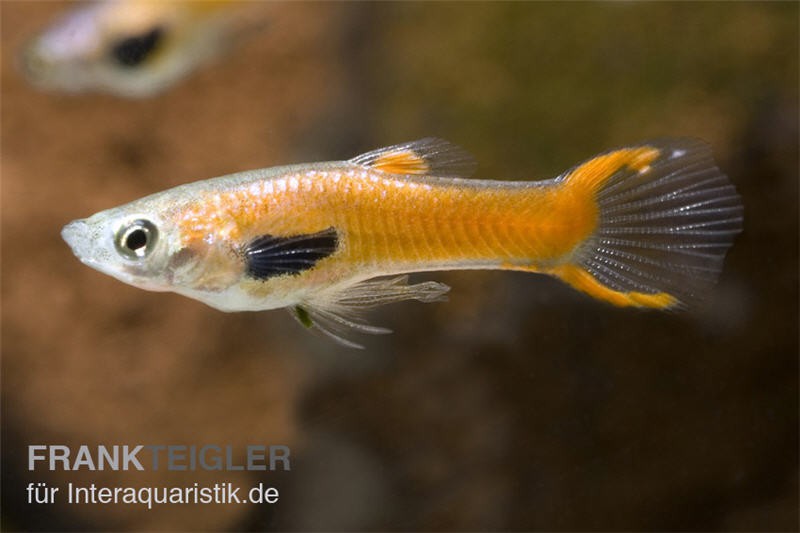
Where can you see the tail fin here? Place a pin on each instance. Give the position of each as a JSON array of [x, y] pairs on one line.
[[667, 216]]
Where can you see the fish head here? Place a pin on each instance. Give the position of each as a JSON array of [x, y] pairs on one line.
[[132, 48], [168, 241], [134, 247]]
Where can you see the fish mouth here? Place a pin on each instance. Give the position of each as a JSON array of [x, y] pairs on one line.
[[78, 235], [74, 234]]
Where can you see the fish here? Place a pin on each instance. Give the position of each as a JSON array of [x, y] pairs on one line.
[[644, 226], [130, 48]]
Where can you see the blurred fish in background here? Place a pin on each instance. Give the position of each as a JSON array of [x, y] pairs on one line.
[[134, 48]]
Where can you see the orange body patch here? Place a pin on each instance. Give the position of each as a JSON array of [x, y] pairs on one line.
[[385, 220]]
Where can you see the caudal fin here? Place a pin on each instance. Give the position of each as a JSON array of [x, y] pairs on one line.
[[666, 218]]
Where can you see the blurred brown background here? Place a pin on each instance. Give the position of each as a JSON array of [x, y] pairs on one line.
[[517, 405]]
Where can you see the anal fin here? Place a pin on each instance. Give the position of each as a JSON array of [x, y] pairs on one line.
[[339, 314]]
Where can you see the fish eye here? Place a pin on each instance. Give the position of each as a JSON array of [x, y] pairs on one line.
[[137, 239], [132, 51]]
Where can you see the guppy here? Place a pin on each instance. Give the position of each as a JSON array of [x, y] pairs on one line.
[[132, 48], [643, 226]]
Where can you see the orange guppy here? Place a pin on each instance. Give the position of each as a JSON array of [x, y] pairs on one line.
[[644, 226], [133, 48]]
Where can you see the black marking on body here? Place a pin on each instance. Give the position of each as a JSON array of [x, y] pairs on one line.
[[268, 256], [132, 51]]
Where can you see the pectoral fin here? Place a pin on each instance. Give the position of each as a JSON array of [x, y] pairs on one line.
[[268, 255]]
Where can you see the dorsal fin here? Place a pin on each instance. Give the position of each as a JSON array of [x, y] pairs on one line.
[[429, 156]]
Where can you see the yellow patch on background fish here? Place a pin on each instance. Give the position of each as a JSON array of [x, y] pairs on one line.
[[644, 226]]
